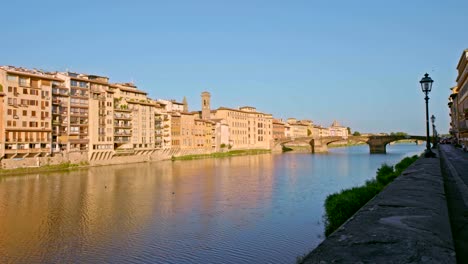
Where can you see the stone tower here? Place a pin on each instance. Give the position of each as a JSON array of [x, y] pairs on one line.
[[206, 109], [185, 104]]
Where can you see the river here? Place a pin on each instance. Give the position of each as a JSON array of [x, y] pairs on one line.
[[248, 209]]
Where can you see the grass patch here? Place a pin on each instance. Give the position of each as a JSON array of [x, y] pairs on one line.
[[340, 206], [223, 154], [45, 168]]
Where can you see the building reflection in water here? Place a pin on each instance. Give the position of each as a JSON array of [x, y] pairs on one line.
[[73, 215]]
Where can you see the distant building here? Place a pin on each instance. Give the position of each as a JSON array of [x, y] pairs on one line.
[[298, 129], [247, 128], [279, 129], [337, 130]]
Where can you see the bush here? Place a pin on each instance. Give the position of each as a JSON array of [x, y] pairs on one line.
[[385, 174], [339, 207]]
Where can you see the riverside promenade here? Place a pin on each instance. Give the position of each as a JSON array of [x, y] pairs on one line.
[[422, 217]]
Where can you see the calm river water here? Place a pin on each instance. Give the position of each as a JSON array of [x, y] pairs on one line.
[[251, 209]]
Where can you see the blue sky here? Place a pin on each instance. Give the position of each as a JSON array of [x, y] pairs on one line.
[[358, 62]]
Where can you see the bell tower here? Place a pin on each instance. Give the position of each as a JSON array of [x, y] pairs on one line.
[[206, 108]]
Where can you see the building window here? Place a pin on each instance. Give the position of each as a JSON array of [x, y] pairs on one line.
[[11, 78], [23, 81], [25, 91]]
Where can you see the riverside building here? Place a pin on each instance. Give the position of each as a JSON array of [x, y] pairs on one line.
[[84, 117], [461, 100], [25, 111], [248, 128]]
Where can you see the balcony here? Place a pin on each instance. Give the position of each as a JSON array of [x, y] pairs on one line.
[[121, 140], [78, 114], [123, 125], [123, 133], [122, 117]]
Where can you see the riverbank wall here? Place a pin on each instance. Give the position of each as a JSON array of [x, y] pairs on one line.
[[408, 222], [107, 158]]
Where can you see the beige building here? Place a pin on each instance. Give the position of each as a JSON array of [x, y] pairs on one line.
[[337, 130], [298, 129], [462, 99], [279, 129], [132, 102], [26, 125], [248, 128], [454, 113], [89, 114]]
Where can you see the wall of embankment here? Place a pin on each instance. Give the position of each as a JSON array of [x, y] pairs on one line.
[[82, 157], [408, 222]]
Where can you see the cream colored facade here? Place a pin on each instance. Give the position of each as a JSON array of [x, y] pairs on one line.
[[249, 129], [26, 125], [337, 130], [298, 129], [462, 99], [142, 111], [85, 122]]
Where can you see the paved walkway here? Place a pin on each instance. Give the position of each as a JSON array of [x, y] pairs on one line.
[[454, 164]]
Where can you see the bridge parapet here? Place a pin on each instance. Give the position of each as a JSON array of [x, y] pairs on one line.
[[377, 144]]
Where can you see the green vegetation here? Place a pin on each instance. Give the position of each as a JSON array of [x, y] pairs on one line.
[[339, 207], [223, 154], [45, 168], [348, 144], [356, 134], [286, 149], [399, 134], [349, 130], [1, 88]]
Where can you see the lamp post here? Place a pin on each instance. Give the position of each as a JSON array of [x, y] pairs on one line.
[[434, 134], [426, 86]]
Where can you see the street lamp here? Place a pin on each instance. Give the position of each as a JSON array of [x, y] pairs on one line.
[[434, 134], [426, 86]]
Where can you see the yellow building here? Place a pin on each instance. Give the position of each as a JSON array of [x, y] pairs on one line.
[[134, 119], [298, 129], [85, 122], [462, 98], [26, 121]]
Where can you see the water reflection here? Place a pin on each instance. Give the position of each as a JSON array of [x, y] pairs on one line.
[[264, 208]]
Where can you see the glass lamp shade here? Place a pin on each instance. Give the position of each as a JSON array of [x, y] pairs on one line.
[[433, 119], [426, 83]]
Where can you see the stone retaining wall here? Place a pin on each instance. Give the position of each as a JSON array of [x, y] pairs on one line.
[[407, 222], [105, 159]]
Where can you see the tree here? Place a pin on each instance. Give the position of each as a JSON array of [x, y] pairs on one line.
[[349, 130], [399, 134], [356, 134]]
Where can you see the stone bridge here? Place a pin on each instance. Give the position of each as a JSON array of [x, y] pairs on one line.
[[377, 144]]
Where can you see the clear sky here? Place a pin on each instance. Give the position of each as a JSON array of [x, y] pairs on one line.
[[358, 62]]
